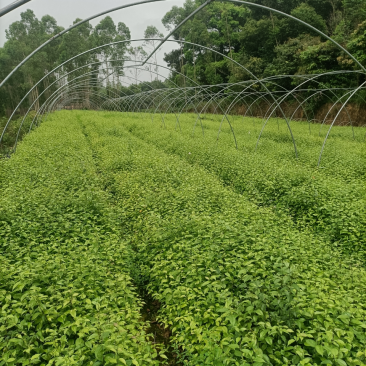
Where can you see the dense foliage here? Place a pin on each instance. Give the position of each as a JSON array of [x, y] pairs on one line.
[[329, 200], [265, 43], [256, 258], [65, 290]]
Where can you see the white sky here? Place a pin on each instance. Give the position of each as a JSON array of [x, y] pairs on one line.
[[66, 11]]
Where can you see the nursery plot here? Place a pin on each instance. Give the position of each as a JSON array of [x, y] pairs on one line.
[[239, 283], [66, 294], [97, 203], [329, 199]]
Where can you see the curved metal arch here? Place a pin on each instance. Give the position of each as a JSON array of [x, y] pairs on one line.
[[288, 94], [198, 114], [152, 103], [276, 101], [35, 101], [339, 112], [67, 99], [207, 99], [62, 105], [67, 84], [177, 41], [177, 27], [251, 74], [69, 29], [155, 72], [232, 104], [301, 22], [70, 97], [129, 66], [311, 96], [64, 63], [218, 105], [77, 90], [46, 117], [185, 76], [211, 99], [216, 95], [94, 82], [43, 78], [254, 101], [250, 84], [12, 6], [173, 103], [330, 109], [132, 66], [141, 95], [331, 90], [261, 7], [155, 110], [55, 97], [143, 102], [170, 109], [162, 100]]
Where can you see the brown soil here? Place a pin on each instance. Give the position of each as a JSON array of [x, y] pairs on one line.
[[354, 114], [159, 334]]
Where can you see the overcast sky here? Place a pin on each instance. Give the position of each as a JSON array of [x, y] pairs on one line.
[[66, 11]]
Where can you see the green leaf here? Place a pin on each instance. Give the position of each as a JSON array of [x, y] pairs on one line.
[[340, 362], [110, 360], [269, 341], [99, 353], [310, 343], [320, 350], [305, 361], [345, 318], [223, 310]]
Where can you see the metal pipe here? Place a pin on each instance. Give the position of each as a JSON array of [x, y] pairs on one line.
[[70, 28], [12, 6], [176, 28], [335, 118]]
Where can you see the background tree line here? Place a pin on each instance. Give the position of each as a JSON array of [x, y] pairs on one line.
[[106, 63], [263, 42]]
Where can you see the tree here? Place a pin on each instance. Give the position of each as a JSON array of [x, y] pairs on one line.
[[28, 33], [308, 14], [152, 32], [23, 37], [138, 54]]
